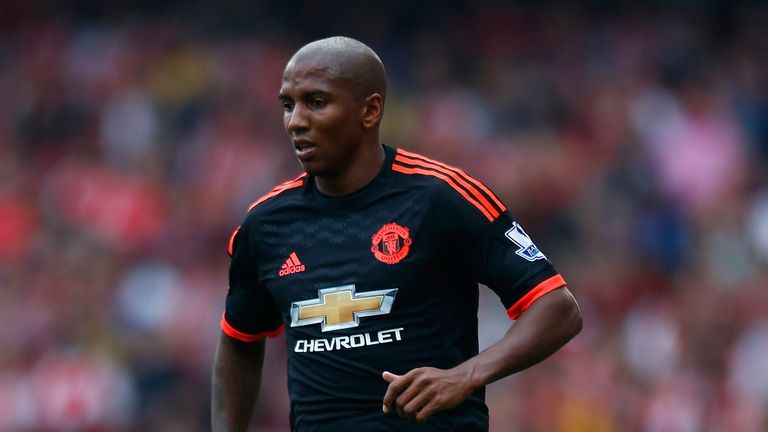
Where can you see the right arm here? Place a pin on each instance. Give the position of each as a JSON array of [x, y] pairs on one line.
[[236, 381], [250, 316]]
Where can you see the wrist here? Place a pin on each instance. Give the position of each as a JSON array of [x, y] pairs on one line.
[[473, 373]]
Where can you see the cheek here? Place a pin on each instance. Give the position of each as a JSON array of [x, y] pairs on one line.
[[346, 126], [339, 127], [332, 127]]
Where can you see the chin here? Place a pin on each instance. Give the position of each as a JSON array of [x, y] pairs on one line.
[[312, 169]]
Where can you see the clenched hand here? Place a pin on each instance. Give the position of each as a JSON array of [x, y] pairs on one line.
[[424, 391]]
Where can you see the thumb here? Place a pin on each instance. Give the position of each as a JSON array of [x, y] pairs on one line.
[[389, 376]]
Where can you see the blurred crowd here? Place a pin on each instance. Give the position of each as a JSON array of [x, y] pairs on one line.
[[631, 143]]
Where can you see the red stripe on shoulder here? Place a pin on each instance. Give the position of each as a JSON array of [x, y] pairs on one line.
[[231, 247], [245, 337], [455, 176], [282, 187], [447, 179], [539, 290], [469, 178]]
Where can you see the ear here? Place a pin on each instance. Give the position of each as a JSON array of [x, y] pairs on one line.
[[373, 110]]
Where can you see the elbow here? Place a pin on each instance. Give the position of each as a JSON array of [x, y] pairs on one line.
[[573, 322], [569, 321], [576, 322]]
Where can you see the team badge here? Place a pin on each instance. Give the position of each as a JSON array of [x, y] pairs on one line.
[[526, 249], [391, 243]]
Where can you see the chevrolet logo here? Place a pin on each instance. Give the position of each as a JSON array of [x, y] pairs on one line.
[[340, 307]]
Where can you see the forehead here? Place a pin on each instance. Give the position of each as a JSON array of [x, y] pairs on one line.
[[312, 74]]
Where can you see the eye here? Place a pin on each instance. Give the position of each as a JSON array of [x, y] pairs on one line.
[[317, 103], [287, 105]]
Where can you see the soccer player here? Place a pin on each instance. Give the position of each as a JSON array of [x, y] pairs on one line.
[[370, 262]]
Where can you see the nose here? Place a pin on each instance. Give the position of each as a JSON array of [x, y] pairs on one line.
[[296, 120]]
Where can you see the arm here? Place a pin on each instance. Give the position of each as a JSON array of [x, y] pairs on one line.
[[236, 381], [547, 325]]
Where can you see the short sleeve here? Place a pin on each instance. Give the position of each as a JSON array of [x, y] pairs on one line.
[[497, 250], [251, 313]]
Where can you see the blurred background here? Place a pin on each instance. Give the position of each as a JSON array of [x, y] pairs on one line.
[[630, 141]]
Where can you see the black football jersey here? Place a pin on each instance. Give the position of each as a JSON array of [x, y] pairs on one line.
[[383, 279]]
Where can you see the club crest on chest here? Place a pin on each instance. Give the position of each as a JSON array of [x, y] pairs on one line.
[[391, 243]]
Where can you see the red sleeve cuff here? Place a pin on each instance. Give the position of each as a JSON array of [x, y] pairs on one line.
[[231, 247], [246, 337], [539, 290]]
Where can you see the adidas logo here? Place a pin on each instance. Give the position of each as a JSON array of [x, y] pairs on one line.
[[291, 265]]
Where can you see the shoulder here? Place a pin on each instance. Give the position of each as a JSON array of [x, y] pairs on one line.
[[451, 185], [260, 207], [281, 193], [416, 168]]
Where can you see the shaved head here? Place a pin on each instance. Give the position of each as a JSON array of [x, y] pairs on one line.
[[348, 60]]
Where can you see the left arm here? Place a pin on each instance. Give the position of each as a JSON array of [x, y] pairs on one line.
[[542, 329]]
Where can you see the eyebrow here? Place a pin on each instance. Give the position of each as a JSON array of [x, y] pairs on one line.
[[304, 95]]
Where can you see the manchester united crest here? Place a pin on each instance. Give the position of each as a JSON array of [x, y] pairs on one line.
[[391, 243]]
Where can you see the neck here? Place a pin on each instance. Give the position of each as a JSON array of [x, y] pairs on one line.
[[363, 169]]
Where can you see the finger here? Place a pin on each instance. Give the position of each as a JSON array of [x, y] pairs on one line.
[[396, 386], [432, 406], [415, 406], [389, 376], [413, 391]]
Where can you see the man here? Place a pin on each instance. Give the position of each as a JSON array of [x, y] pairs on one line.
[[370, 262]]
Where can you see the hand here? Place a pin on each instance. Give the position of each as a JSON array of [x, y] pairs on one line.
[[424, 391]]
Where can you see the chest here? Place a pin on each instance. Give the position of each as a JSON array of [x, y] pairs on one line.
[[387, 245]]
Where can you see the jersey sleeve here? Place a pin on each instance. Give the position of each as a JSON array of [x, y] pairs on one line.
[[250, 313], [496, 249]]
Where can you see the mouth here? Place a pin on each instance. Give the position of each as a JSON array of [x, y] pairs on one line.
[[304, 149]]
